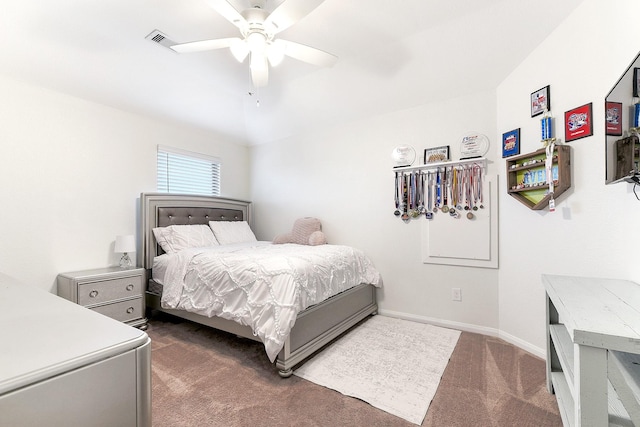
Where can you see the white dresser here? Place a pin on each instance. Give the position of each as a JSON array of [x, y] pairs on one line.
[[593, 347], [63, 365]]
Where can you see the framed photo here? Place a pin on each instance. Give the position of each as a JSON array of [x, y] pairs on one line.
[[636, 82], [613, 118], [540, 100], [578, 123], [511, 143], [436, 154]]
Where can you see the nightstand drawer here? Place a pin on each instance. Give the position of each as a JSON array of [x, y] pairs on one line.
[[108, 290], [123, 311]]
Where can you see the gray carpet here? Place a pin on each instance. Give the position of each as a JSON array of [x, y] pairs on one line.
[[202, 377]]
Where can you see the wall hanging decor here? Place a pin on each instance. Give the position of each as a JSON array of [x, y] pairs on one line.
[[541, 101], [511, 143], [403, 155], [436, 154], [613, 118], [578, 123], [473, 145]]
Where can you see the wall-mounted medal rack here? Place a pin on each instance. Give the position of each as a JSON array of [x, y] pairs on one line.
[[444, 188]]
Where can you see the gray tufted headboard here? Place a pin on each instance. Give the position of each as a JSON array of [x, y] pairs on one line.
[[162, 209]]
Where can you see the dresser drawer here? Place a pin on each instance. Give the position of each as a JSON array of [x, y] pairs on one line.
[[108, 290], [123, 311]]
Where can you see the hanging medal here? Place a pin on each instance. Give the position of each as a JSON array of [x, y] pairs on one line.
[[420, 188], [398, 192], [445, 191], [405, 198], [454, 192], [438, 190], [549, 170], [477, 183], [415, 192], [454, 188], [430, 179], [468, 193]]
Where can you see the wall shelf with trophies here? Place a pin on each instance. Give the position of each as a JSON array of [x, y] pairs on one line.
[[527, 178], [482, 161]]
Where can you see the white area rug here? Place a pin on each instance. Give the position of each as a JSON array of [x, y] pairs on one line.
[[392, 364]]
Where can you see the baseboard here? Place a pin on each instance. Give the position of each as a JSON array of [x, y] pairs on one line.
[[526, 346], [440, 322], [466, 327]]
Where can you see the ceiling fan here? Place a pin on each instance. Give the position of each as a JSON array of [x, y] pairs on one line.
[[258, 29]]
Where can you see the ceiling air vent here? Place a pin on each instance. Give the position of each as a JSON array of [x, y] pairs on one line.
[[159, 38]]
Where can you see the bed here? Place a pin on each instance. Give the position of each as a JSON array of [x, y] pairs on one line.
[[313, 327]]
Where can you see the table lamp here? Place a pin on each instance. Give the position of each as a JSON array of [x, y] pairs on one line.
[[124, 245]]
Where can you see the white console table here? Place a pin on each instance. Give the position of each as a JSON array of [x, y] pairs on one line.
[[64, 365], [593, 343]]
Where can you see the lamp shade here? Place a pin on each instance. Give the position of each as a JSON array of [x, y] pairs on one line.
[[125, 244]]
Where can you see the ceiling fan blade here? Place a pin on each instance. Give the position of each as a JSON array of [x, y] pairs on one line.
[[228, 12], [309, 54], [288, 13], [259, 70], [203, 45]]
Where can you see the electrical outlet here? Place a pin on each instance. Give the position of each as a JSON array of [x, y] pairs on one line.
[[456, 294]]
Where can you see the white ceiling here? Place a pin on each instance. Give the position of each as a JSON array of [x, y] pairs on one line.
[[393, 54]]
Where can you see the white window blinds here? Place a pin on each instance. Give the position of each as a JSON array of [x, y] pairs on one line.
[[185, 172]]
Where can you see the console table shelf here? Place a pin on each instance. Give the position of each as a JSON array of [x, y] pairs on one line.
[[593, 347]]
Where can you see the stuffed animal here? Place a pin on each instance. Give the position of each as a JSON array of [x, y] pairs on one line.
[[306, 231]]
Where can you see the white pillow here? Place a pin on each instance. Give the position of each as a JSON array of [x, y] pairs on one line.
[[228, 232], [175, 238]]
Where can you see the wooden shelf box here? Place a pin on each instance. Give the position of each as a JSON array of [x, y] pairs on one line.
[[527, 170]]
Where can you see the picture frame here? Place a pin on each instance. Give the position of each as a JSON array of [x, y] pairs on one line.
[[541, 100], [613, 118], [436, 154], [578, 122], [636, 82], [511, 143]]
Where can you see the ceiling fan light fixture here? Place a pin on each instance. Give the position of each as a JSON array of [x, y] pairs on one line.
[[257, 42], [258, 27], [239, 50], [258, 61], [275, 52]]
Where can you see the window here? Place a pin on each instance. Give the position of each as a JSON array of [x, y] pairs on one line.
[[185, 172]]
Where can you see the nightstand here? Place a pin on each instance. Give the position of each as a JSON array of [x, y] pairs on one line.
[[113, 291]]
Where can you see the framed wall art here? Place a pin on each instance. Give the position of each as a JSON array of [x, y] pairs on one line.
[[511, 143], [578, 123], [540, 101], [636, 82], [613, 118], [436, 154]]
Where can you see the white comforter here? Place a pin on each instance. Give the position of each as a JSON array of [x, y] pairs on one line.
[[260, 284]]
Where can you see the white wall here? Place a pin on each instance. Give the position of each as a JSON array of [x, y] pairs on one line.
[[344, 176], [70, 174], [594, 231]]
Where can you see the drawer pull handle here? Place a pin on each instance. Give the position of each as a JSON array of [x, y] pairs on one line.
[[130, 287], [130, 310], [93, 294]]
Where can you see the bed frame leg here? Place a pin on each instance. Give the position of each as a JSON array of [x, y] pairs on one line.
[[285, 373]]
